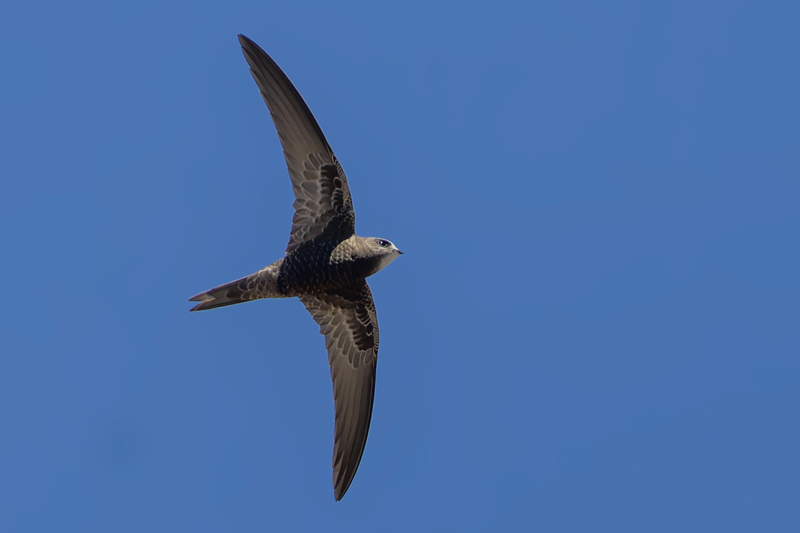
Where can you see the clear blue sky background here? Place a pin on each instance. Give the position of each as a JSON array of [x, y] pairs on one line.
[[594, 327]]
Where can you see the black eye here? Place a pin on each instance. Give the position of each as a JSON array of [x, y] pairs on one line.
[[384, 243]]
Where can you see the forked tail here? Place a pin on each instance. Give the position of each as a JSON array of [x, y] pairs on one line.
[[231, 293], [262, 284]]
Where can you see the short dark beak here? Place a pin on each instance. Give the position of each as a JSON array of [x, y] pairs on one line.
[[399, 252]]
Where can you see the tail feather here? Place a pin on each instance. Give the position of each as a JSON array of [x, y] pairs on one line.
[[261, 284], [231, 293]]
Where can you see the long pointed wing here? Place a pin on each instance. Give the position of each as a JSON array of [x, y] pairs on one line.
[[347, 319], [322, 197]]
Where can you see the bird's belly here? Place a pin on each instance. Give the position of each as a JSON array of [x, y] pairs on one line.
[[312, 275]]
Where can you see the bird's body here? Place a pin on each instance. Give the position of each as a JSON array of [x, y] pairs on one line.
[[315, 267], [325, 265]]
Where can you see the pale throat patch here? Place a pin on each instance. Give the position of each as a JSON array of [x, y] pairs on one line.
[[386, 259]]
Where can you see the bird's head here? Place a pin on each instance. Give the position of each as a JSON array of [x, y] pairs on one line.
[[383, 249]]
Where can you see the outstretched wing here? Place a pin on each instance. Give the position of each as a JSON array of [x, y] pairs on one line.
[[322, 198], [347, 319]]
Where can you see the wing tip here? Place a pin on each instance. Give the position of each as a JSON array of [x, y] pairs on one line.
[[340, 490], [249, 45]]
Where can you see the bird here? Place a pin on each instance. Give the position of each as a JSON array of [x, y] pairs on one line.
[[325, 264]]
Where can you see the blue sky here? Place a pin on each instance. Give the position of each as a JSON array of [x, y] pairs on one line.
[[594, 326]]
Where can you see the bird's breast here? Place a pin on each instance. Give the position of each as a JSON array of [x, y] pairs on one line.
[[311, 269]]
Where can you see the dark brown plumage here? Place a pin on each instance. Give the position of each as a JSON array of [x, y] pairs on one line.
[[325, 264]]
